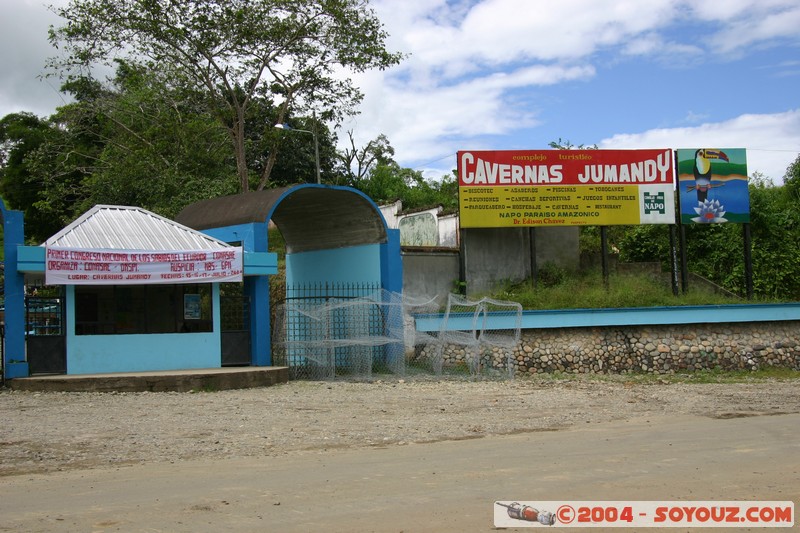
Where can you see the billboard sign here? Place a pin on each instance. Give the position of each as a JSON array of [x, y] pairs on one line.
[[712, 185], [511, 188]]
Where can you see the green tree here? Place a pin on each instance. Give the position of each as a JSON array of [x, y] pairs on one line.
[[161, 149], [775, 228], [22, 136], [69, 154], [373, 170], [358, 162], [233, 51], [792, 180], [565, 144], [297, 163], [716, 252]]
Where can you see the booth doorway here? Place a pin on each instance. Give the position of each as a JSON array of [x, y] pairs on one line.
[[235, 332], [45, 335]]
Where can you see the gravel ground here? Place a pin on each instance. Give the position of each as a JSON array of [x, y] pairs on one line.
[[45, 432]]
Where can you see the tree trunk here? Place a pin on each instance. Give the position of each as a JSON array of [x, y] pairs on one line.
[[273, 156], [239, 146]]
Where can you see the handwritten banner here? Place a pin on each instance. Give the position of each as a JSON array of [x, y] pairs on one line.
[[77, 266]]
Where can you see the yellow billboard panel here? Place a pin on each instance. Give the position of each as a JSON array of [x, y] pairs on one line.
[[566, 188]]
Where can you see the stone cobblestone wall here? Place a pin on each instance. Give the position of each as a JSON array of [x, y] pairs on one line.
[[649, 349]]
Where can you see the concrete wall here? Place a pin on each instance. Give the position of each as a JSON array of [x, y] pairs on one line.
[[559, 246], [430, 273], [338, 265], [494, 255], [448, 230], [443, 231], [491, 256]]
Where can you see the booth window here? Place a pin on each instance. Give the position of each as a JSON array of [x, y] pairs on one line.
[[128, 309]]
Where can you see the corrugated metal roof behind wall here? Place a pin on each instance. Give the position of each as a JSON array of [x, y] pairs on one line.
[[309, 217], [130, 228]]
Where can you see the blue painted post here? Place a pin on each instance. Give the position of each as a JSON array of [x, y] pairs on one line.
[[253, 237], [16, 365], [391, 262], [257, 288], [392, 280]]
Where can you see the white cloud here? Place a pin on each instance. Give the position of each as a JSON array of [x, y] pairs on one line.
[[425, 120], [771, 140], [456, 38], [480, 70], [496, 33], [759, 29], [476, 69], [23, 38]]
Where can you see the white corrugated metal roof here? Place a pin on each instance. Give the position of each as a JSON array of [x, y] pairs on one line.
[[117, 227]]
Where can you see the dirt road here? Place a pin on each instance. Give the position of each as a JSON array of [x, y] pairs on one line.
[[390, 456]]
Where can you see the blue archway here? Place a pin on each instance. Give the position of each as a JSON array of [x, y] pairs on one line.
[[332, 234]]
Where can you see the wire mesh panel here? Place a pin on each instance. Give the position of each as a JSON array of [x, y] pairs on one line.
[[356, 336], [324, 291], [349, 330], [389, 332], [499, 337], [300, 341], [421, 346], [459, 334]]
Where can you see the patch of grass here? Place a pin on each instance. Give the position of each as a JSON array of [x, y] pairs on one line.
[[698, 376], [737, 376], [587, 291]]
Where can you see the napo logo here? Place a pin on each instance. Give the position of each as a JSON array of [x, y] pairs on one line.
[[655, 203]]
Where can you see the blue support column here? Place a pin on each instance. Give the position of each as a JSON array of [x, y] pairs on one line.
[[253, 237], [391, 262], [257, 288], [16, 365]]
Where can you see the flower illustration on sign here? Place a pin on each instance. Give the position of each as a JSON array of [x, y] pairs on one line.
[[710, 211]]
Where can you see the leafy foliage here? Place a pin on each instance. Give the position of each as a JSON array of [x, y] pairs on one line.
[[716, 251], [233, 52], [563, 290], [792, 180], [162, 150], [22, 134], [378, 176]]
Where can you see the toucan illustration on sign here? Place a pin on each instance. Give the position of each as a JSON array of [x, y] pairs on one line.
[[712, 185], [703, 158]]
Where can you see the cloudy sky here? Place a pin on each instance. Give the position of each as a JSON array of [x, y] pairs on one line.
[[517, 74]]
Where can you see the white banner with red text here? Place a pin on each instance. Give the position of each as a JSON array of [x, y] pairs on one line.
[[79, 266]]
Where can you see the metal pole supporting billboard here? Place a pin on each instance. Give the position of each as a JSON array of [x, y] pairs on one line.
[[748, 260], [673, 258], [534, 263], [684, 262], [678, 219], [604, 253]]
